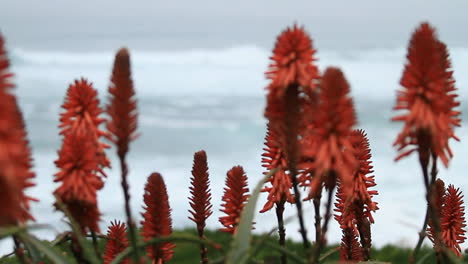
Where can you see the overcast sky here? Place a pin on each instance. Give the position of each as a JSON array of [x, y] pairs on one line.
[[156, 25]]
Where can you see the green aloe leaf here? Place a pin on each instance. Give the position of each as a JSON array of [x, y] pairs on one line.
[[174, 238], [425, 257], [291, 256], [44, 247], [328, 253], [10, 231]]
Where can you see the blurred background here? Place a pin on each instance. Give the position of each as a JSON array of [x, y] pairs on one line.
[[198, 68]]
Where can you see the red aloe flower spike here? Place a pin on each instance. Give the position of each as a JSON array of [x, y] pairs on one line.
[[15, 154], [272, 158], [78, 174], [350, 249], [122, 107], [117, 242], [292, 62], [157, 218], [122, 127], [293, 75], [335, 119], [356, 207], [362, 180], [453, 220], [234, 198], [82, 112], [200, 199], [428, 97]]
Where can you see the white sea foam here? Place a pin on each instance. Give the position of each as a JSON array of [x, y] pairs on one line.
[[239, 70]]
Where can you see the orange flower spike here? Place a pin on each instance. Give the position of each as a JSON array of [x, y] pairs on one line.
[[355, 208], [234, 198], [117, 242], [362, 180], [81, 107], [15, 154], [428, 97], [274, 157], [292, 69], [453, 220], [200, 200], [81, 156], [122, 109], [335, 119], [350, 249], [157, 218], [78, 169], [292, 62], [82, 112]]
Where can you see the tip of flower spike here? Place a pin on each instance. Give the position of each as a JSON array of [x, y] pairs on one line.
[[117, 241], [123, 52], [426, 27], [292, 62], [333, 79]]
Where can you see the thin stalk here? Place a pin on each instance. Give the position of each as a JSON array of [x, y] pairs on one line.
[[328, 213], [203, 248], [318, 218], [19, 251], [363, 225], [321, 243], [95, 244], [422, 235], [128, 212], [431, 208], [291, 131], [281, 229], [441, 256], [434, 169], [429, 184]]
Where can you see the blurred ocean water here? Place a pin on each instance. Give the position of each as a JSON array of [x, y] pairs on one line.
[[214, 100]]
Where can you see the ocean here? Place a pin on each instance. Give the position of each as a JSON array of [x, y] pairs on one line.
[[214, 100]]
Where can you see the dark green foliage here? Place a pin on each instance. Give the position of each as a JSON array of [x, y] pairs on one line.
[[189, 252]]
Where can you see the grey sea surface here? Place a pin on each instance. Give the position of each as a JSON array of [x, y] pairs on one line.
[[214, 100]]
